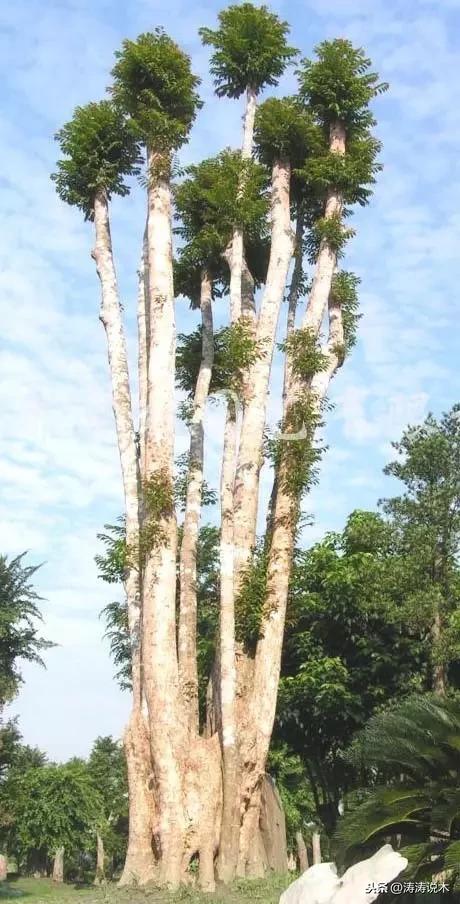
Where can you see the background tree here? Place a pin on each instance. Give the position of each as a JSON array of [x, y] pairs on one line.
[[107, 770], [351, 645], [56, 812], [427, 519], [19, 640], [19, 614]]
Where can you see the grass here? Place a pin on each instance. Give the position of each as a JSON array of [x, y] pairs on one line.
[[43, 891]]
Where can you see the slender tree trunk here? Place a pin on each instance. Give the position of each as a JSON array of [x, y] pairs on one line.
[[228, 848], [246, 495], [237, 244], [58, 866], [188, 669], [99, 878], [294, 295], [439, 681], [316, 845], [159, 651], [284, 518], [143, 333], [327, 257], [249, 119], [293, 300], [111, 318], [285, 511], [3, 868], [302, 853], [139, 859]]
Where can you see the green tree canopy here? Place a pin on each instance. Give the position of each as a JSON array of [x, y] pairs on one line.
[[19, 614], [52, 806], [426, 518], [339, 85], [153, 84], [250, 49], [285, 129], [349, 648], [100, 151], [211, 200]]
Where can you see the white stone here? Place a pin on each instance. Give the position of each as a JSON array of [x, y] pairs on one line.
[[321, 885]]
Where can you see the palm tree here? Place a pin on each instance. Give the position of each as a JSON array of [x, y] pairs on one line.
[[411, 755]]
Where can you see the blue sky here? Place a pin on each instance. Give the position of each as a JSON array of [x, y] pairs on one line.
[[59, 472]]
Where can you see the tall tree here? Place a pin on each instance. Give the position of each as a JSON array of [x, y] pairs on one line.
[[339, 87], [427, 519], [319, 139], [154, 86], [250, 52]]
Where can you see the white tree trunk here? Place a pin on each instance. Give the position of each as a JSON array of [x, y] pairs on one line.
[[143, 333], [159, 652], [284, 522], [302, 853], [249, 119], [99, 878], [246, 495], [111, 317], [285, 512], [58, 866], [327, 258], [3, 868], [237, 245], [228, 848], [316, 846], [188, 668]]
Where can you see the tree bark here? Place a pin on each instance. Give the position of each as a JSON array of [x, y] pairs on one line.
[[316, 845], [99, 878], [272, 824], [139, 858], [228, 848], [237, 244], [302, 853], [285, 509], [159, 659], [249, 119], [139, 867], [188, 668], [143, 334], [3, 868], [111, 318], [439, 680], [58, 866], [246, 494]]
